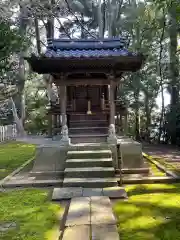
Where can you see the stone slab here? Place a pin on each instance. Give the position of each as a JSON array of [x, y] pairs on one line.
[[77, 233], [66, 193], [104, 232], [79, 212], [90, 182], [115, 192], [89, 192], [7, 226], [101, 211]]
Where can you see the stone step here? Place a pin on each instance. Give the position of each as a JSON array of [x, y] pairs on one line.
[[79, 130], [88, 123], [79, 138], [89, 146], [82, 117], [99, 172], [89, 154], [99, 162], [90, 182]]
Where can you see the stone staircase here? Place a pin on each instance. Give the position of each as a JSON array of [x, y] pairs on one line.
[[89, 168], [88, 128]]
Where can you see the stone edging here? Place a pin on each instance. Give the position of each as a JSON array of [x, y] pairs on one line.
[[150, 180], [17, 170], [159, 166]]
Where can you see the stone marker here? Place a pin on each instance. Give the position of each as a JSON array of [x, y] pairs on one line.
[[79, 212], [77, 233], [66, 193], [6, 226], [104, 232], [101, 211]]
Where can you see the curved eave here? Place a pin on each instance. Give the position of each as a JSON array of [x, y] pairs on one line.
[[44, 65]]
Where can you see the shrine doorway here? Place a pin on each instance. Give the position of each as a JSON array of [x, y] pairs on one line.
[[82, 94]]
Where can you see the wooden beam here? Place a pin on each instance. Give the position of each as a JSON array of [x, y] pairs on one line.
[[81, 82]]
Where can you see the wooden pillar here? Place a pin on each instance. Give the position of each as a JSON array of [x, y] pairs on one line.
[[74, 97], [49, 125], [65, 138], [63, 104], [112, 104], [112, 130], [102, 102], [88, 101], [126, 124]]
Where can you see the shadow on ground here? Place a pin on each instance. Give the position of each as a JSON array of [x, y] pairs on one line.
[[151, 213]]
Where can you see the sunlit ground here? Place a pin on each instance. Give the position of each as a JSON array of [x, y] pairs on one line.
[[35, 217], [152, 212], [13, 155]]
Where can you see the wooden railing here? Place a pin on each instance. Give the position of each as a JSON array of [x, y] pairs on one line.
[[8, 132]]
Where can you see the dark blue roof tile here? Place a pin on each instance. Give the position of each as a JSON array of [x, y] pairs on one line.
[[73, 44], [87, 53]]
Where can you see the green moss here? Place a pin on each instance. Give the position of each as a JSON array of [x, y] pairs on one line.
[[155, 171], [35, 217], [169, 166], [152, 212], [13, 155]]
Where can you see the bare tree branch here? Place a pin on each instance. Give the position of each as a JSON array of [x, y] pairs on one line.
[[70, 10]]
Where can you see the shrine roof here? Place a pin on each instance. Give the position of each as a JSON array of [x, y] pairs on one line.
[[68, 55], [86, 48], [86, 44]]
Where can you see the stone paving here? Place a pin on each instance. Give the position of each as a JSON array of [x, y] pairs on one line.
[[167, 152], [68, 193], [90, 218]]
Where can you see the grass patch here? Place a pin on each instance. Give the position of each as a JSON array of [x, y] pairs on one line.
[[152, 212], [13, 155], [35, 217]]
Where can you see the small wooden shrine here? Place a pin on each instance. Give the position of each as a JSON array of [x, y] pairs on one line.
[[87, 74]]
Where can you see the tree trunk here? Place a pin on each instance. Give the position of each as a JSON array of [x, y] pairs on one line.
[[18, 106], [109, 18], [100, 20], [161, 122], [18, 121], [148, 117], [47, 78], [174, 71], [38, 41], [137, 115]]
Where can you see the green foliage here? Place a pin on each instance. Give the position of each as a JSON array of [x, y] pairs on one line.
[[36, 102], [10, 42]]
